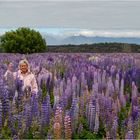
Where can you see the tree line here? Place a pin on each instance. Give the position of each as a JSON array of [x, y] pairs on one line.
[[96, 48]]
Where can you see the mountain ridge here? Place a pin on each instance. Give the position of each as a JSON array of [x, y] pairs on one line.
[[81, 39]]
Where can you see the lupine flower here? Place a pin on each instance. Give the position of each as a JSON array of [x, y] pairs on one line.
[[57, 127], [67, 125], [57, 130], [134, 91], [129, 135], [115, 127], [80, 128], [0, 115], [117, 84], [95, 89], [45, 111], [96, 127], [74, 112]]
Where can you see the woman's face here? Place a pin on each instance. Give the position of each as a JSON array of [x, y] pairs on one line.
[[24, 68]]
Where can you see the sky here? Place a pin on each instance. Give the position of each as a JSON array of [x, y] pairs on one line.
[[88, 16]]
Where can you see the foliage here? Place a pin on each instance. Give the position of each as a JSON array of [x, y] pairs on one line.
[[23, 40], [96, 48], [5, 133], [51, 94], [44, 90], [123, 114], [86, 133]]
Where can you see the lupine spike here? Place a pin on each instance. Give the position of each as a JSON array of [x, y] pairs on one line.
[[0, 115], [68, 129]]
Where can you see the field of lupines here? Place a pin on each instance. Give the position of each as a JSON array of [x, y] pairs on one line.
[[81, 96]]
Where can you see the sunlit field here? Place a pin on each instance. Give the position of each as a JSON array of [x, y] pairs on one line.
[[81, 96]]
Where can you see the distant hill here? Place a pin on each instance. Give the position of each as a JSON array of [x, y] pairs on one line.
[[77, 40]]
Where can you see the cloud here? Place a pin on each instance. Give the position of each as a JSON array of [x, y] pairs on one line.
[[98, 33], [104, 33], [67, 0], [91, 14], [66, 32]]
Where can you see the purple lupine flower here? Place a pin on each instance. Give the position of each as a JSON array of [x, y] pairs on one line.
[[97, 107], [27, 116], [14, 126], [19, 118], [80, 128], [117, 84], [114, 127], [95, 88], [74, 81], [134, 91], [74, 111], [130, 123], [5, 104], [63, 101], [108, 108], [45, 111], [50, 136], [91, 116], [135, 111], [34, 106], [56, 96], [122, 87], [0, 114], [110, 87], [103, 78], [61, 89], [96, 126], [129, 135], [95, 76]]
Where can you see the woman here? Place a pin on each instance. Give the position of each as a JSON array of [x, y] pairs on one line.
[[26, 76]]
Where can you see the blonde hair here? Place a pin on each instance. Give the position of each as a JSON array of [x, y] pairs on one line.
[[24, 61]]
